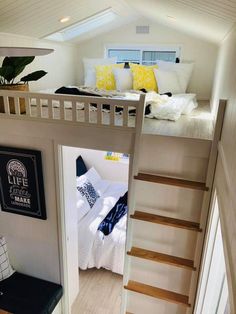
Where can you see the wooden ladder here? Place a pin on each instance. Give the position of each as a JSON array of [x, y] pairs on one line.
[[168, 222]]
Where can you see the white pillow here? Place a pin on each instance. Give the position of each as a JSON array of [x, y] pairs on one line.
[[124, 79], [5, 266], [89, 69], [98, 184], [167, 81], [183, 70]]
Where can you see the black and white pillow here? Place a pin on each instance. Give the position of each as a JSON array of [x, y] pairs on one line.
[[5, 266], [86, 189]]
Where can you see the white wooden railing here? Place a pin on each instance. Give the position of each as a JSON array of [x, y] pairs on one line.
[[72, 109]]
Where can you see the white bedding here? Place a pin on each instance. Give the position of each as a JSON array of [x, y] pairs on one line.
[[162, 106], [171, 108], [95, 249]]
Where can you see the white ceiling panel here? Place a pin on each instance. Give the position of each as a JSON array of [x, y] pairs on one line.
[[209, 19], [38, 18]]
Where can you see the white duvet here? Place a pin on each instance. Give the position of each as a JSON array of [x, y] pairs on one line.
[[170, 108], [95, 249]]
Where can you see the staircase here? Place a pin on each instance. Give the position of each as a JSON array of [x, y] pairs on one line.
[[172, 193]]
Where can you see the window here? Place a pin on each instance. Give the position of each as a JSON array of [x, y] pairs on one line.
[[143, 55], [85, 26]]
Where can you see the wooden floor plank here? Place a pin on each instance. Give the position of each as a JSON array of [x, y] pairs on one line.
[[173, 222], [171, 181], [162, 258], [158, 293]]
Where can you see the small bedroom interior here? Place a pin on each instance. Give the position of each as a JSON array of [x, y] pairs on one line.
[[133, 111], [101, 218]]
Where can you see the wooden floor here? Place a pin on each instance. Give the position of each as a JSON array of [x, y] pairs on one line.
[[198, 124], [100, 292]]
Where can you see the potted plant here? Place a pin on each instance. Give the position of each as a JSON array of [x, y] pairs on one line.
[[9, 71]]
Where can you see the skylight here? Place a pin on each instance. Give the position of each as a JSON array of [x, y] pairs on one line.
[[84, 26]]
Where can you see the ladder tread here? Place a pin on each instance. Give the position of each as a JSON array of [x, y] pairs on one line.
[[162, 258], [168, 221], [171, 181], [158, 293]]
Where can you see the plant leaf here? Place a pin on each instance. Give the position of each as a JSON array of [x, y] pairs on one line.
[[34, 76], [17, 63], [7, 72]]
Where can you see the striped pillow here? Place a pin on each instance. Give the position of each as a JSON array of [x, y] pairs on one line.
[[5, 266]]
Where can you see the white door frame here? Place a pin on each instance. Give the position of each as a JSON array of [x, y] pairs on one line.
[[61, 227]]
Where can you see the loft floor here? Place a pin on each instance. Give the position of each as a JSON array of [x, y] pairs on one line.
[[199, 124]]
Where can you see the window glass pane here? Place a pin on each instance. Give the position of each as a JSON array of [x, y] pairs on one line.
[[149, 57], [125, 55]]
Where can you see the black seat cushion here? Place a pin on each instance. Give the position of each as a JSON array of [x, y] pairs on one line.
[[22, 294]]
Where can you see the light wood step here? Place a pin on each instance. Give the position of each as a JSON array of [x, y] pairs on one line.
[[162, 258], [171, 181], [158, 293], [173, 222]]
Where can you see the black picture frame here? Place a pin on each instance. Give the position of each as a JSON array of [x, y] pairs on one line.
[[21, 182]]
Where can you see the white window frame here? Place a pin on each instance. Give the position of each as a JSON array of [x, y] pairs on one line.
[[142, 48]]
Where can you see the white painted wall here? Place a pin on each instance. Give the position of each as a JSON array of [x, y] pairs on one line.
[[225, 180], [59, 64], [108, 170], [203, 53], [33, 243]]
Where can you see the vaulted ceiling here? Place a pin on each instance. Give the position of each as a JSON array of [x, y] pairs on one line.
[[38, 18], [210, 19]]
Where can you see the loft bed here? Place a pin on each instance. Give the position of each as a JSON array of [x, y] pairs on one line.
[[116, 112]]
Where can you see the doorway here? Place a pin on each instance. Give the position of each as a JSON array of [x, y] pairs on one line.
[[95, 227]]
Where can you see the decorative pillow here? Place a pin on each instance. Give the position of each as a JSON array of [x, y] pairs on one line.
[[80, 167], [167, 81], [5, 266], [93, 176], [183, 70], [82, 205], [86, 189], [105, 78], [89, 69], [123, 79], [143, 77]]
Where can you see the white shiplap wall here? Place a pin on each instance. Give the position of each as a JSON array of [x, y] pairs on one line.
[[225, 180], [192, 50]]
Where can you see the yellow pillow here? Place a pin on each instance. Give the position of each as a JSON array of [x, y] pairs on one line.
[[143, 77], [105, 78]]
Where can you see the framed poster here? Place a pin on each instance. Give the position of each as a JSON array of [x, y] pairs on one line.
[[21, 182]]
